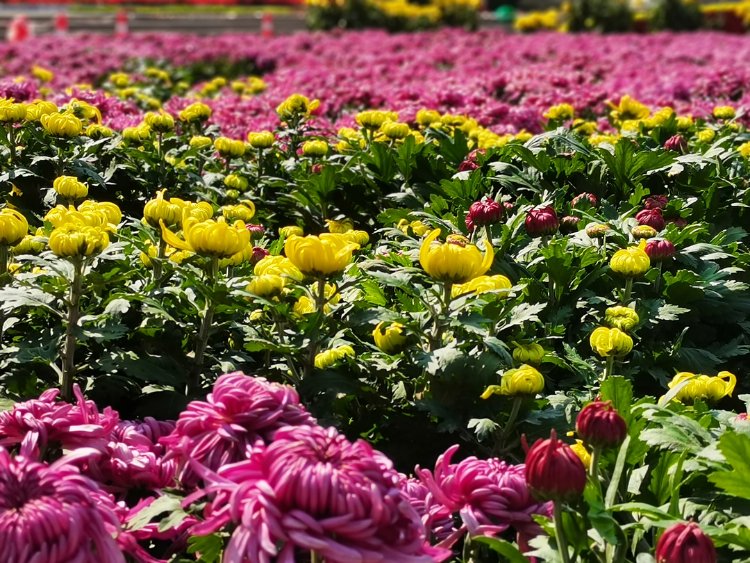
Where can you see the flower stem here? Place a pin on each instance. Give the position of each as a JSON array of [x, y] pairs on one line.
[[594, 469], [193, 384], [159, 262], [69, 346], [562, 543], [514, 410], [627, 291], [320, 295], [160, 156], [657, 283], [3, 262], [315, 558], [445, 305], [608, 367], [488, 234], [12, 143]]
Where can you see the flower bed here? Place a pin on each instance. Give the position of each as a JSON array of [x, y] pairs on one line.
[[473, 334]]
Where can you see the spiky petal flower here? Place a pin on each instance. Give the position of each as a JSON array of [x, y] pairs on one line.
[[313, 490], [239, 411], [489, 495], [51, 513]]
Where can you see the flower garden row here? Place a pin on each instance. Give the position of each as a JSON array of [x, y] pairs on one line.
[[415, 279]]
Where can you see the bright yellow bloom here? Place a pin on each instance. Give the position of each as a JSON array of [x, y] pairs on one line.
[[290, 230], [417, 227], [426, 117], [325, 255], [610, 342], [390, 338], [583, 454], [241, 257], [643, 232], [84, 110], [243, 211], [631, 262], [96, 131], [706, 135], [160, 209], [61, 124], [229, 148], [483, 284], [744, 150], [209, 237], [195, 112], [584, 127], [119, 79], [76, 240], [306, 306], [524, 380], [703, 387], [160, 121], [278, 266], [296, 106], [266, 285], [327, 358], [620, 317], [374, 119], [36, 109], [30, 244], [137, 134], [43, 74], [456, 260], [110, 211], [315, 148], [343, 226], [560, 112], [360, 238], [172, 254], [528, 353], [200, 142], [13, 227], [261, 139], [628, 108], [236, 182], [201, 210], [684, 122], [395, 130], [70, 188], [724, 112], [11, 112], [659, 118]]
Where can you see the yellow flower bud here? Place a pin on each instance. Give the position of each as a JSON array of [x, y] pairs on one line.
[[200, 142], [96, 131], [610, 342], [524, 380], [195, 112], [528, 353], [483, 284], [110, 212], [200, 211], [36, 109], [62, 124], [159, 209], [643, 232], [325, 255], [11, 112], [583, 454], [278, 266], [620, 317], [266, 285], [236, 182], [161, 121], [328, 358], [43, 74], [455, 261], [119, 79], [426, 117], [290, 230], [684, 122], [70, 188], [374, 119], [395, 130], [390, 338], [137, 134], [560, 112], [724, 112], [30, 244], [229, 148], [703, 387], [13, 227], [360, 238], [208, 237], [261, 140], [75, 240], [631, 262], [343, 226], [306, 306], [243, 211], [315, 148], [706, 135], [296, 106]]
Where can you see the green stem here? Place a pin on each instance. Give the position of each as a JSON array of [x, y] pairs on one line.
[[320, 303], [193, 384], [260, 166], [12, 143], [315, 558], [514, 410], [488, 234], [160, 156], [551, 292], [608, 367], [320, 295], [468, 550], [445, 304], [657, 283], [594, 469], [159, 262], [3, 262], [562, 543], [627, 291], [69, 346]]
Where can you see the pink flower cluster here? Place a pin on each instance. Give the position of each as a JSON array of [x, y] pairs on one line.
[[505, 81], [269, 472]]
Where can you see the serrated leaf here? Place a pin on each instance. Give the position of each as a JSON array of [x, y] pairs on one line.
[[736, 450], [161, 505], [209, 548], [669, 312], [620, 391]]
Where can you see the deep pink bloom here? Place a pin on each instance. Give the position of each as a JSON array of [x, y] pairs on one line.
[[438, 517], [676, 143], [600, 425], [470, 162], [240, 410], [659, 250], [52, 514], [541, 221], [685, 543], [586, 197], [311, 489], [489, 496], [486, 211], [258, 254], [554, 471], [651, 217], [656, 202], [256, 231], [48, 423]]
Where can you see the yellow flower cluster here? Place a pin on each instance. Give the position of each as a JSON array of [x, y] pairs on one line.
[[83, 231], [296, 107], [703, 387], [538, 20]]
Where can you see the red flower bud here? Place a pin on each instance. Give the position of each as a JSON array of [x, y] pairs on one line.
[[256, 231], [484, 212], [470, 162], [584, 197], [316, 168], [569, 224], [656, 202], [259, 253], [553, 471], [685, 543], [676, 143], [508, 206], [541, 221], [600, 425], [659, 250], [679, 222], [652, 218]]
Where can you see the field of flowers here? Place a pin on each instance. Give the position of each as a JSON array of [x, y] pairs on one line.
[[490, 293]]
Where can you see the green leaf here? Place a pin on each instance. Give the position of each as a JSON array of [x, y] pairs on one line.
[[6, 404], [509, 551], [620, 391], [161, 505], [598, 515], [735, 481], [208, 547]]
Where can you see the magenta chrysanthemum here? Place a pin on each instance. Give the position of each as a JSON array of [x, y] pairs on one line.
[[240, 410], [489, 495], [313, 490], [50, 514]]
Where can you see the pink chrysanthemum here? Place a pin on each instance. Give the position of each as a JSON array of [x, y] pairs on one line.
[[436, 516], [50, 514], [240, 411], [47, 423], [313, 490], [489, 496]]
